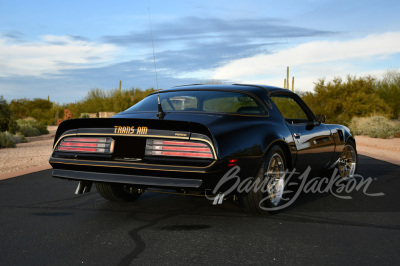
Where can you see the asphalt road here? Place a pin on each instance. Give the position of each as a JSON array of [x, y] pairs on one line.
[[43, 223]]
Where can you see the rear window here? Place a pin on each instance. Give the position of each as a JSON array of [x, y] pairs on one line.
[[201, 101]]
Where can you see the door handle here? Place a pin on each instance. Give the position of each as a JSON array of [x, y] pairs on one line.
[[296, 135]]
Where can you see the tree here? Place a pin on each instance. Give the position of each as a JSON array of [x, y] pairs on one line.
[[19, 108], [42, 110], [98, 100], [5, 114], [389, 90], [340, 101]]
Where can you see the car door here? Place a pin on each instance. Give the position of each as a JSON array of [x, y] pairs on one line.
[[313, 140]]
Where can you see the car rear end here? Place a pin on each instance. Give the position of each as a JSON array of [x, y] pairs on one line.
[[184, 138], [141, 152]]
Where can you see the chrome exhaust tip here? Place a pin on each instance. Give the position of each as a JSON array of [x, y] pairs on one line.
[[83, 187]]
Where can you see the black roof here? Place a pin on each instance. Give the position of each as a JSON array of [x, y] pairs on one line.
[[244, 87]]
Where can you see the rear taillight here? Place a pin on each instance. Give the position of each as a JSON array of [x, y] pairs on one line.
[[86, 144], [188, 149]]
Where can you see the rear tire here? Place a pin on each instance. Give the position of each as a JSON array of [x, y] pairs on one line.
[[348, 160], [117, 192], [271, 195]]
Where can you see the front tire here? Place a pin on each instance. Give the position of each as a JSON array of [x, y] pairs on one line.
[[117, 192], [271, 194]]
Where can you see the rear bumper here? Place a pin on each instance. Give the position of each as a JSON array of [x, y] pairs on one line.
[[146, 175], [137, 174], [129, 166], [127, 179]]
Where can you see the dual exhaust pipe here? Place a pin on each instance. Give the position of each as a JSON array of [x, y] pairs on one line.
[[86, 186]]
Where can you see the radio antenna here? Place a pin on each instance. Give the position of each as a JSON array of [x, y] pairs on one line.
[[160, 113], [152, 43]]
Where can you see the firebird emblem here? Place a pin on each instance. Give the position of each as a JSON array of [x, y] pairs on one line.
[[130, 130]]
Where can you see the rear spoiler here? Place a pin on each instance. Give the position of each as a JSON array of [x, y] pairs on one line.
[[102, 123]]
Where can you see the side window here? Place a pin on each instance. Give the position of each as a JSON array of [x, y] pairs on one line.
[[234, 103], [290, 109]]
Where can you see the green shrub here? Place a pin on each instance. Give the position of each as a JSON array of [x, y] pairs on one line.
[[5, 115], [43, 110], [340, 100], [42, 128], [27, 121], [24, 140], [30, 127], [19, 138], [28, 130], [84, 115], [13, 126], [375, 126], [6, 140]]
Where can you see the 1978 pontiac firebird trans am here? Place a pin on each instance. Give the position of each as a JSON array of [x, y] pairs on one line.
[[189, 139]]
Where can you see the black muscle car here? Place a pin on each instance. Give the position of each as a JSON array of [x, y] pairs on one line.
[[204, 139]]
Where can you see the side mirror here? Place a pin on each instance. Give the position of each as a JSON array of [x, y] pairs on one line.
[[320, 118]]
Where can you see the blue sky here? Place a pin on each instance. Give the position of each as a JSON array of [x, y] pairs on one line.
[[62, 49]]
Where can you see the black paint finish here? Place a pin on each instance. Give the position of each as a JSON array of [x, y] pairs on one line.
[[245, 137]]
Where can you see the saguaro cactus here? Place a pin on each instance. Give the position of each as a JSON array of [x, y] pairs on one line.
[[286, 82]]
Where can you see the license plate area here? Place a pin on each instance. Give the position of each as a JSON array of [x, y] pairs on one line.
[[129, 148]]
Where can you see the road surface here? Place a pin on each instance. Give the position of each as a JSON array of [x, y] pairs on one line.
[[44, 223]]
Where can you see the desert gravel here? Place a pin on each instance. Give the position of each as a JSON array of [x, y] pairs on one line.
[[27, 155], [382, 149]]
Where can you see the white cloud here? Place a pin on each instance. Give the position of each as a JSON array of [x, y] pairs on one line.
[[313, 60], [51, 54]]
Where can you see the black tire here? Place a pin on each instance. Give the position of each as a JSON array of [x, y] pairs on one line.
[[251, 201], [116, 192], [348, 161]]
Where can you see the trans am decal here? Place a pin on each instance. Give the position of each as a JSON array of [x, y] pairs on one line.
[[130, 130]]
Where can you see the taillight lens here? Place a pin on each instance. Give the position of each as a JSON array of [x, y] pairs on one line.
[[189, 149], [86, 144]]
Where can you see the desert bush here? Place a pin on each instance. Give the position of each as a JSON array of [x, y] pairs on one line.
[[19, 138], [375, 126], [29, 127], [13, 126], [114, 100], [42, 128], [7, 119], [41, 109], [342, 100], [28, 130], [388, 89], [6, 140], [84, 115]]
